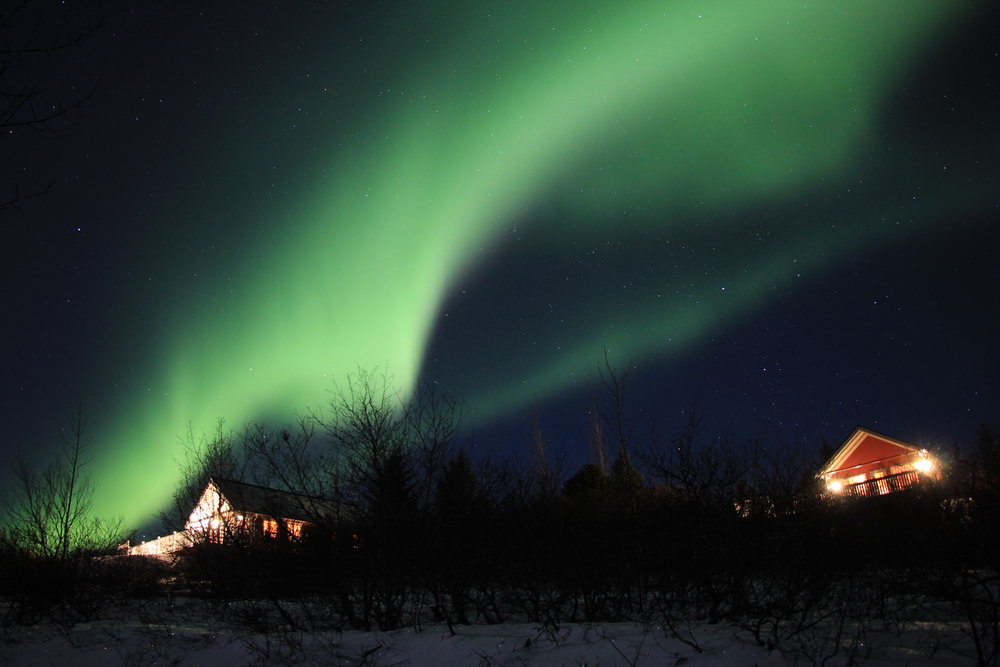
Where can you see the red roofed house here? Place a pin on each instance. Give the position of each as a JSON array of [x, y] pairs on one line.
[[871, 464]]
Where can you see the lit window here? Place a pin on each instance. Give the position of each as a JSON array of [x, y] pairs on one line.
[[270, 528]]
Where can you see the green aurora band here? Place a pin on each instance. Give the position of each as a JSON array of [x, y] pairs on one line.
[[683, 109]]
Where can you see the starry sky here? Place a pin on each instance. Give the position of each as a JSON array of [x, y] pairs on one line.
[[783, 213]]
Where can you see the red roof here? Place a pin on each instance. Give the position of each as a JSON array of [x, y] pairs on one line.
[[865, 446], [873, 448]]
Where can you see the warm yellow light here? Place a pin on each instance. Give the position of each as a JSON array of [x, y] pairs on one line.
[[923, 465], [835, 486], [214, 523]]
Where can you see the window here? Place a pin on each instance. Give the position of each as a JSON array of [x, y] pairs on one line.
[[215, 531], [270, 528]]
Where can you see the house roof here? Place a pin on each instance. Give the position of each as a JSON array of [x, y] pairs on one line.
[[251, 498], [866, 446]]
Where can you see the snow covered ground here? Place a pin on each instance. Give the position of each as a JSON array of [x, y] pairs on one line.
[[190, 635]]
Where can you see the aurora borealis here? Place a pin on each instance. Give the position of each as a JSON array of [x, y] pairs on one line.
[[343, 187]]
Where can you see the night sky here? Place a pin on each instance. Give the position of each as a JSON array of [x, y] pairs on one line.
[[784, 213]]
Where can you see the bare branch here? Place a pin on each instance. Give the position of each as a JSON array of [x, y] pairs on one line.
[[28, 105]]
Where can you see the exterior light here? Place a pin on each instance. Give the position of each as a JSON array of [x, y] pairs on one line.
[[923, 465], [214, 523], [835, 486]]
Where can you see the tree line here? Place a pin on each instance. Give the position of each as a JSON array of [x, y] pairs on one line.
[[672, 530]]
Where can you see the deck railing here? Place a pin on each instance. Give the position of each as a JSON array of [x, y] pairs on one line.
[[161, 546], [883, 485]]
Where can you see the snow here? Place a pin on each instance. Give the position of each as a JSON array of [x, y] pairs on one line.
[[190, 633]]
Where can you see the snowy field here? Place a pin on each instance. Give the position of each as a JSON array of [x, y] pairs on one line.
[[190, 634]]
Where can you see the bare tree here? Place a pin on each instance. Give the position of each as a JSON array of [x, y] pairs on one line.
[[371, 427], [385, 454], [50, 512], [434, 418], [710, 472], [609, 416], [612, 411]]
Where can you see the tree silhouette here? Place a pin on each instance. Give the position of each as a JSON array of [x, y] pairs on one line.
[[49, 511]]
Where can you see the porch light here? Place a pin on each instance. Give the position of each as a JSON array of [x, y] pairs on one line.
[[835, 486], [923, 465]]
